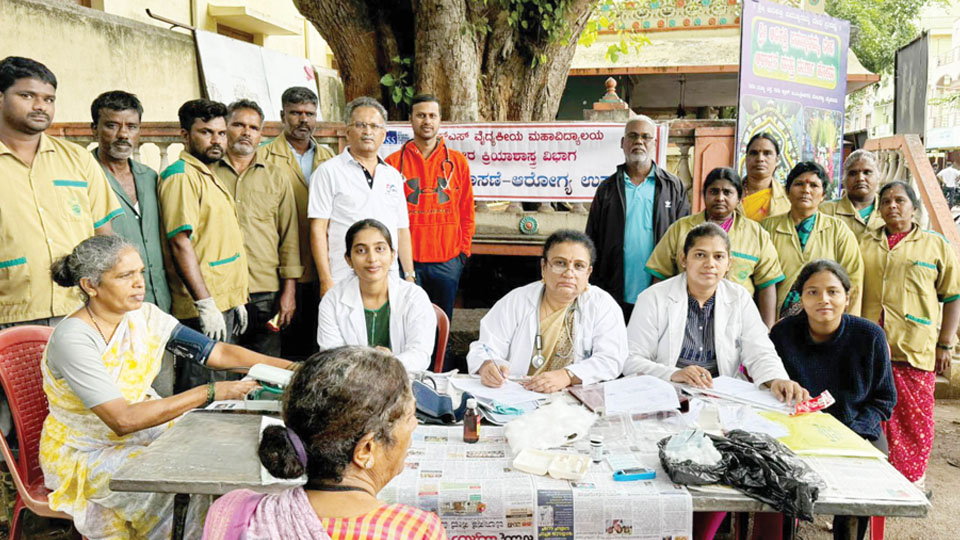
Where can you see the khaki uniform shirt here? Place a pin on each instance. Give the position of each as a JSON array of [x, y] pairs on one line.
[[143, 230], [753, 259], [46, 209], [830, 239], [193, 199], [278, 152], [906, 285], [844, 210], [268, 219]]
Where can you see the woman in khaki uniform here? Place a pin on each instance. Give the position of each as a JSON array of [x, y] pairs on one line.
[[909, 272], [763, 196], [803, 235]]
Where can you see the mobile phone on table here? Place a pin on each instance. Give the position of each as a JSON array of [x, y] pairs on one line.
[[634, 473]]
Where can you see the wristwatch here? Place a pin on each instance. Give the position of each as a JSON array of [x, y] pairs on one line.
[[410, 275], [570, 375], [944, 347]]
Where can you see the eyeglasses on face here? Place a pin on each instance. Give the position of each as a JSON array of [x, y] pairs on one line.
[[559, 266]]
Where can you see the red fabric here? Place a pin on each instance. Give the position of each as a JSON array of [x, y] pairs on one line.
[[895, 238], [910, 429], [439, 231], [705, 524], [727, 224]]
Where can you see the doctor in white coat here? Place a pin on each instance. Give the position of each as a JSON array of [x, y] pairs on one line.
[[559, 331], [670, 341], [374, 307]]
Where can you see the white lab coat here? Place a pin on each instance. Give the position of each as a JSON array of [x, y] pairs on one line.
[[508, 330], [413, 323], [657, 326]]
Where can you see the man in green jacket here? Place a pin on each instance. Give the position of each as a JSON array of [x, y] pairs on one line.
[[116, 123]]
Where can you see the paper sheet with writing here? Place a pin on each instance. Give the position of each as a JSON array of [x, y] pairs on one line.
[[477, 493], [851, 479], [742, 392], [509, 393], [643, 394]]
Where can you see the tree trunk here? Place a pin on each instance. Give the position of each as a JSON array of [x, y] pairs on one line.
[[464, 52]]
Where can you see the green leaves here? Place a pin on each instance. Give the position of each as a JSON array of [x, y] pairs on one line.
[[880, 27], [401, 88], [612, 16]]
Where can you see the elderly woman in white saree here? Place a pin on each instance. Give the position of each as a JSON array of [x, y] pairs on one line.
[[98, 369]]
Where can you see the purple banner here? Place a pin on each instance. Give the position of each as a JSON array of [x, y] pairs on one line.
[[793, 79]]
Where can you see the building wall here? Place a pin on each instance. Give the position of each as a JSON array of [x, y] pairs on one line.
[[115, 45], [90, 52]]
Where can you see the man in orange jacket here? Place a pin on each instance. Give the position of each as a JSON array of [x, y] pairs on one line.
[[440, 203]]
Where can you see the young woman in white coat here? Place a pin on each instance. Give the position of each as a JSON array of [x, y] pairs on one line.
[[558, 331], [374, 307], [697, 325]]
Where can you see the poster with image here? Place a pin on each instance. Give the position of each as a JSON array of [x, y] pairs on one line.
[[793, 69]]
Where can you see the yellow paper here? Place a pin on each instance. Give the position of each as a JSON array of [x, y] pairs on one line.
[[820, 434]]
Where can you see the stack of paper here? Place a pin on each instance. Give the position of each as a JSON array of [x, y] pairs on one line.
[[643, 394], [742, 392]]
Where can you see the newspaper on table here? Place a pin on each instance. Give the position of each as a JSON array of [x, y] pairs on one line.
[[478, 495]]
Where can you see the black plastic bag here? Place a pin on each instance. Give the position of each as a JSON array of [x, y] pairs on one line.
[[757, 465]]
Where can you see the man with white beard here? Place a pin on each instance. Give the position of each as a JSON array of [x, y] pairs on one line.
[[267, 211], [116, 123], [631, 210]]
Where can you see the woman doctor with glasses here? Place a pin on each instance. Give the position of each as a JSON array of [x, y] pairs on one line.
[[555, 332]]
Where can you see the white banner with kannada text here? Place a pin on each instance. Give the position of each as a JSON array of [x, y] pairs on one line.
[[534, 161]]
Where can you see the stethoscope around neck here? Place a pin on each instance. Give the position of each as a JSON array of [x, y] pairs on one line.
[[538, 360], [443, 164]]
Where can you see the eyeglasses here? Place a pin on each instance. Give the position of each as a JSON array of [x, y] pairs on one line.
[[559, 266], [645, 137], [362, 126]]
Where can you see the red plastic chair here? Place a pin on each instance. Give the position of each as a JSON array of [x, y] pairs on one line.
[[443, 335], [21, 348]]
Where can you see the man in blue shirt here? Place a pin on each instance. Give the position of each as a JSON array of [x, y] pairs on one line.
[[631, 210]]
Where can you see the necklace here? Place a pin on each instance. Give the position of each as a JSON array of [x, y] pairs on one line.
[[318, 486], [90, 314]]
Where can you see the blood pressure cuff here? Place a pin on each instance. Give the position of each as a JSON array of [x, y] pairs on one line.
[[185, 342], [436, 408]]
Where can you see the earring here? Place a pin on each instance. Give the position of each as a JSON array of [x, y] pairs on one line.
[[367, 465]]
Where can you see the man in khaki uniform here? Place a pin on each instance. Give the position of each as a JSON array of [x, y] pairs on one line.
[[268, 218], [858, 208], [206, 261], [299, 154], [54, 196]]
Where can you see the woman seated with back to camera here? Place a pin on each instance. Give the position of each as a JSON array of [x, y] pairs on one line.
[[374, 307], [558, 331], [825, 349], [349, 416], [98, 370], [697, 325]]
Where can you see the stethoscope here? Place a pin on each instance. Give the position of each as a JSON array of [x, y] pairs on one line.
[[443, 164], [538, 360]]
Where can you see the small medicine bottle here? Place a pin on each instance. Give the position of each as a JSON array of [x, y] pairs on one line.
[[596, 448], [471, 422]]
